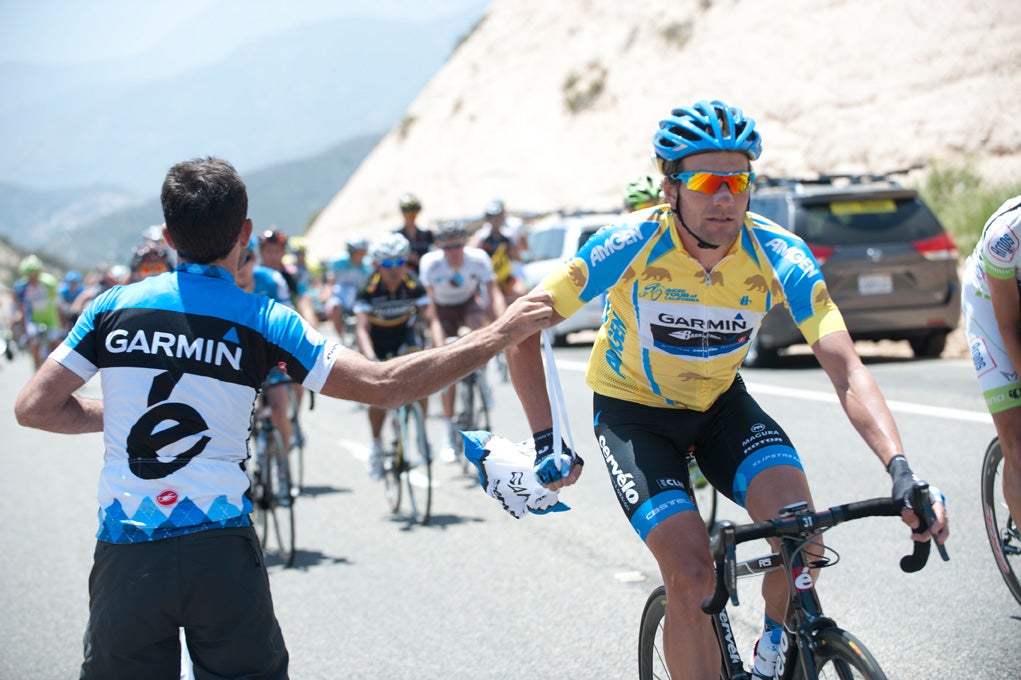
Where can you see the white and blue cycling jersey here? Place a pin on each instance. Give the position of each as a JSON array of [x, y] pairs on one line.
[[272, 284], [182, 356]]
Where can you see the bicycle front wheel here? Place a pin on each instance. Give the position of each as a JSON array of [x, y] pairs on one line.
[[417, 463], [1001, 530], [651, 657], [840, 655], [277, 521], [393, 462], [474, 416]]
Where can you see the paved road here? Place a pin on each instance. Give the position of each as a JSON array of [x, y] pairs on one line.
[[477, 594]]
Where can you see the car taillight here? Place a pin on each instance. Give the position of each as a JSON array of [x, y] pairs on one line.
[[821, 253], [939, 247]]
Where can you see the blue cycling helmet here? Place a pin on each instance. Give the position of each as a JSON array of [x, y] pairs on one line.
[[706, 126]]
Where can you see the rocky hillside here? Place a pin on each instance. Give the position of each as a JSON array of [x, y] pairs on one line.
[[553, 104]]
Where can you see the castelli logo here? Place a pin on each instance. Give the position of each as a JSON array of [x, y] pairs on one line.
[[168, 497]]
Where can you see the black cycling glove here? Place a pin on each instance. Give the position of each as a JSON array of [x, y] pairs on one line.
[[545, 467], [903, 481]]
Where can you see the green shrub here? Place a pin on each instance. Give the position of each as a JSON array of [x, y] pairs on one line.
[[963, 202]]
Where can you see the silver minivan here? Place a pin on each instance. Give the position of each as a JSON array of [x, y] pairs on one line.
[[888, 262], [553, 240]]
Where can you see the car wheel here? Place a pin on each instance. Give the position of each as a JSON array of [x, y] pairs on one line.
[[759, 356], [929, 346]]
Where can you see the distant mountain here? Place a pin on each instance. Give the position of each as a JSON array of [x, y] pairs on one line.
[[288, 195], [284, 96]]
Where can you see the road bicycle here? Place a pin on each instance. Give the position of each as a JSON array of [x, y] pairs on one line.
[[473, 414], [812, 645], [407, 462], [1001, 529], [272, 490]]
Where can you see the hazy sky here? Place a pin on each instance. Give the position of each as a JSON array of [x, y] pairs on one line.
[[70, 31]]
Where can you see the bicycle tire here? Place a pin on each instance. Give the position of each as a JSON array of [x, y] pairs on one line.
[[277, 536], [417, 463], [1002, 532], [651, 659], [838, 654], [297, 444], [703, 494], [393, 463], [475, 416]]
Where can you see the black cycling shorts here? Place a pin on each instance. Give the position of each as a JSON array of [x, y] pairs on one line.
[[645, 451], [212, 583]]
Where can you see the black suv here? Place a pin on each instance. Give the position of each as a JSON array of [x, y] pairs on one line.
[[888, 263]]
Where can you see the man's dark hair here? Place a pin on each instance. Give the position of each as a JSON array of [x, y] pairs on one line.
[[204, 205]]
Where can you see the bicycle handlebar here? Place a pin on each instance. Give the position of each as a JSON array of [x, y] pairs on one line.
[[803, 522]]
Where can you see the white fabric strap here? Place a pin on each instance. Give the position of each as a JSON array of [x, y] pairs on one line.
[[558, 407]]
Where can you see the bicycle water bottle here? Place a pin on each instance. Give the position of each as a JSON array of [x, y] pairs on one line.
[[786, 653]]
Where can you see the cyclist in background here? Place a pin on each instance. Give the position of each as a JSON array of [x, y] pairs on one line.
[[304, 273], [387, 311], [150, 259], [453, 276], [272, 248], [501, 237], [70, 288], [641, 193], [35, 295], [347, 274], [683, 301], [421, 240], [268, 282], [992, 322]]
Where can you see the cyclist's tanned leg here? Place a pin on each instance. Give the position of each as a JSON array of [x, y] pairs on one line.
[[680, 545], [769, 491]]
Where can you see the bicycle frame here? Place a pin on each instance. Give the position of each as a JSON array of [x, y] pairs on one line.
[[804, 620]]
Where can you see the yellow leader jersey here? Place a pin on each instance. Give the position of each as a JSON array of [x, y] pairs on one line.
[[674, 335]]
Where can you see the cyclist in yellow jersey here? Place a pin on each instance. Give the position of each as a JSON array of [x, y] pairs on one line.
[[687, 284]]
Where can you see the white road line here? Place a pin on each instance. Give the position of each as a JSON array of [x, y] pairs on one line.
[[815, 395]]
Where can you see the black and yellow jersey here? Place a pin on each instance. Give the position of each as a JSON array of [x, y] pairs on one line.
[[674, 335]]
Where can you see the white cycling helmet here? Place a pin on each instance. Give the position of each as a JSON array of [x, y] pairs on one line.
[[388, 247]]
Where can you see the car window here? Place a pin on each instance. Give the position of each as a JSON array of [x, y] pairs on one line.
[[586, 235], [773, 208], [547, 244], [875, 220]]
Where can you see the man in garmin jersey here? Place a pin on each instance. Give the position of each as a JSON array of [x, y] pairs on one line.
[[182, 357], [688, 282], [992, 322]]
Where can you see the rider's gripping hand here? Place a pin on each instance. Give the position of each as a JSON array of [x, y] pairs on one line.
[[904, 481], [545, 468]]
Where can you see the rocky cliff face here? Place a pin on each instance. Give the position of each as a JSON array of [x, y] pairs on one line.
[[553, 104]]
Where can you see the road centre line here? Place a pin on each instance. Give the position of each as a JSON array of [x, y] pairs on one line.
[[815, 395]]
